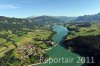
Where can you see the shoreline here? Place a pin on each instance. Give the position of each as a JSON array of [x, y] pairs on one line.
[[52, 35]]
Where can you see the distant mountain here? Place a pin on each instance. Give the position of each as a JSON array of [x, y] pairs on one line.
[[55, 18], [88, 18], [45, 19], [65, 18]]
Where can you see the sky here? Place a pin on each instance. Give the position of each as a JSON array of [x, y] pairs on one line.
[[27, 8]]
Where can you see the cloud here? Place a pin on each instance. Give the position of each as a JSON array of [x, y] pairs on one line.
[[5, 6]]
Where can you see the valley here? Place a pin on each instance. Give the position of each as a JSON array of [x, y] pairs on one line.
[[24, 40]]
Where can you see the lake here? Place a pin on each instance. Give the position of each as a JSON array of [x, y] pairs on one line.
[[59, 52]]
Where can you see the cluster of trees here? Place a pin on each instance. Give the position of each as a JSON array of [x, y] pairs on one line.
[[9, 60]]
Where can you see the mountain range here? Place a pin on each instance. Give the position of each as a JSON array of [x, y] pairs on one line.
[[42, 20], [88, 18]]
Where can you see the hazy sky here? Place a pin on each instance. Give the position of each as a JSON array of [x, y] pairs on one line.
[[25, 8]]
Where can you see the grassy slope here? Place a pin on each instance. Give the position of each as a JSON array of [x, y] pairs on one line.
[[86, 31]]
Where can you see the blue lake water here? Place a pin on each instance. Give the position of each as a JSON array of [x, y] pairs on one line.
[[60, 52]]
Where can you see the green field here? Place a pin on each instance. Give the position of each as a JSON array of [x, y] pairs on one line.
[[94, 29], [26, 44]]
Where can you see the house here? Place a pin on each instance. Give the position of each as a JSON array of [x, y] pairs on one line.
[[49, 43]]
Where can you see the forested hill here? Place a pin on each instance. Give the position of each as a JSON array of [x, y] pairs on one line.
[[88, 18], [12, 23], [20, 23]]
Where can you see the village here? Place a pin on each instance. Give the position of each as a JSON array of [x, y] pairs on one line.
[[33, 46]]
